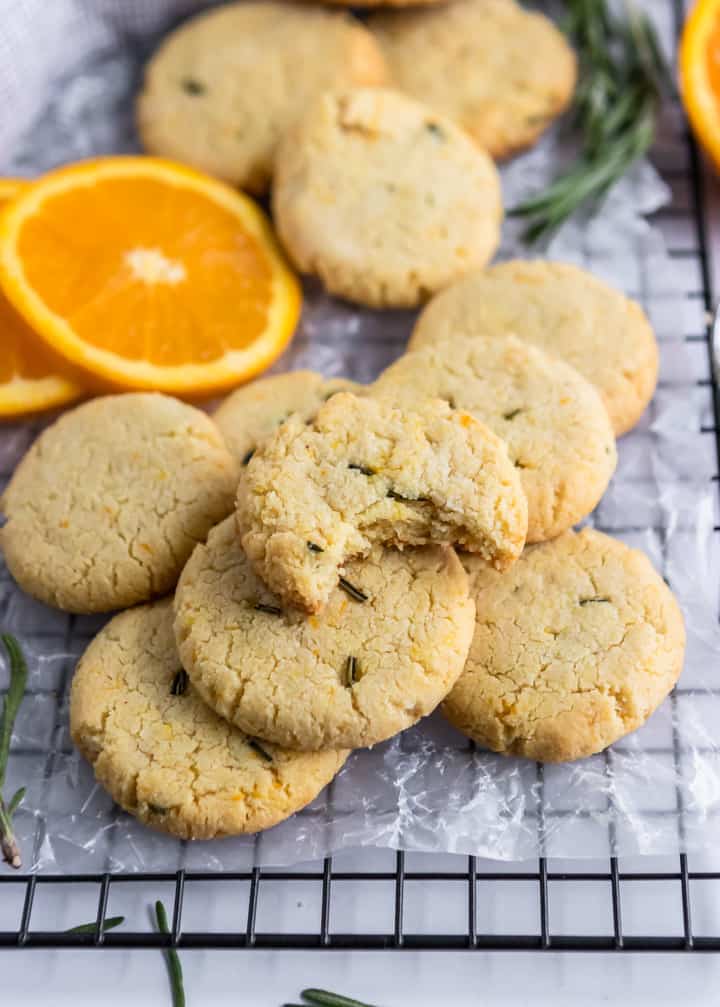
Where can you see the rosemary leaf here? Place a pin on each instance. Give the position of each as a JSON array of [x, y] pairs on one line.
[[248, 456], [350, 672], [593, 601], [90, 928], [15, 801], [623, 79], [257, 747], [313, 547], [172, 960], [18, 680], [355, 593], [179, 683], [268, 609], [324, 998], [192, 86], [13, 699], [363, 469]]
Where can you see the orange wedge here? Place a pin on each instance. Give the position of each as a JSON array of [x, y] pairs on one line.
[[699, 62], [29, 378], [143, 273]]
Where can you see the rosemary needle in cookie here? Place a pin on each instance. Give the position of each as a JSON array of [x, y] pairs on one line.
[[353, 591], [11, 705]]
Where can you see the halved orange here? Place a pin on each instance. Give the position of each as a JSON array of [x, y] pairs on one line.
[[143, 273], [29, 378], [699, 62]]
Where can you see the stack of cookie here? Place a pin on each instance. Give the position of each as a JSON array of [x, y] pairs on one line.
[[345, 559], [378, 139]]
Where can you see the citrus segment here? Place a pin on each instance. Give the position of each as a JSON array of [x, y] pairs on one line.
[[148, 274], [29, 380], [700, 74]]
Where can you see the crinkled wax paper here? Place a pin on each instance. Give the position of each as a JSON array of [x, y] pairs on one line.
[[657, 791]]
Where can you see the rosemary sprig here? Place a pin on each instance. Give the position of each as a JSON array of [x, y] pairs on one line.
[[90, 928], [172, 960], [623, 77], [355, 593], [13, 699]]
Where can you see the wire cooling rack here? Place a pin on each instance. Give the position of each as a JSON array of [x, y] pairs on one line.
[[378, 899]]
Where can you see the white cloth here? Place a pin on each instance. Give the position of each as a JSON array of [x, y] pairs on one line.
[[43, 40]]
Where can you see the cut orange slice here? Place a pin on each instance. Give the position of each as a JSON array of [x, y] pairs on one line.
[[29, 378], [700, 74], [146, 274]]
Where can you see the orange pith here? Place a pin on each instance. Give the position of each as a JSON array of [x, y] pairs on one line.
[[29, 378], [148, 274]]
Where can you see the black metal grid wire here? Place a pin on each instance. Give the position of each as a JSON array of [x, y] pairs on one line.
[[397, 935]]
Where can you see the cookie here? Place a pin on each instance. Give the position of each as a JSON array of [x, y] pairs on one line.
[[386, 649], [166, 758], [563, 310], [109, 502], [574, 648], [223, 88], [500, 71], [553, 421], [316, 495], [253, 412], [386, 201]]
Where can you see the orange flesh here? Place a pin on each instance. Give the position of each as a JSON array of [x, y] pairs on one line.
[[22, 353], [212, 298]]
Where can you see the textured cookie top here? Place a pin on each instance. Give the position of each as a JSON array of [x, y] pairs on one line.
[[382, 654], [110, 500], [573, 648], [502, 72], [315, 495], [222, 89], [163, 755], [384, 199], [556, 428], [255, 411], [563, 310]]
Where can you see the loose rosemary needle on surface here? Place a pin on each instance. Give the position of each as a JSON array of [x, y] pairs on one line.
[[622, 80], [175, 973], [18, 680]]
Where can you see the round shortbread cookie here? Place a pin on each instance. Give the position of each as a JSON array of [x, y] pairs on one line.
[[502, 72], [361, 472], [383, 653], [384, 200], [254, 412], [109, 502], [166, 758], [565, 311], [223, 89], [575, 647], [553, 421]]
